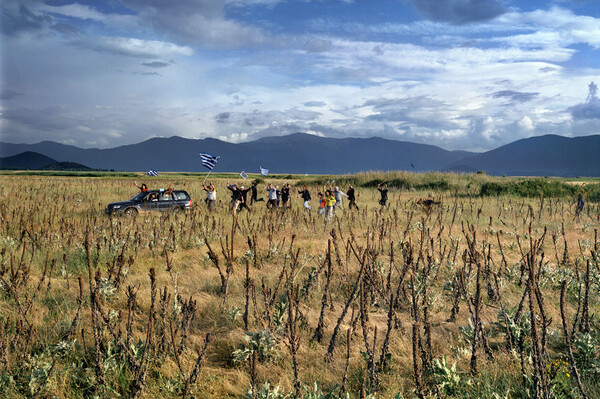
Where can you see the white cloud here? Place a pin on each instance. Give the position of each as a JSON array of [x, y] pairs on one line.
[[73, 10], [134, 47], [197, 22], [526, 124], [556, 26], [472, 86]]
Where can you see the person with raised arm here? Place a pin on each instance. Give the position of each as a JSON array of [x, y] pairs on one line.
[[383, 189], [305, 197]]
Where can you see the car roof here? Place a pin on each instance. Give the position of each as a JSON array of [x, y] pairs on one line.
[[165, 190]]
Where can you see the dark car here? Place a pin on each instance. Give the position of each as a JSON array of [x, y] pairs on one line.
[[152, 200]]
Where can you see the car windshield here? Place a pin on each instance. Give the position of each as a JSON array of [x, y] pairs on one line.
[[140, 196]]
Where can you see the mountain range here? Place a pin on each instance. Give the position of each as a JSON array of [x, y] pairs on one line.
[[30, 160], [548, 155]]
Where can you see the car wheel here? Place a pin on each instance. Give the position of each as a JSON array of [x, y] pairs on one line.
[[131, 212]]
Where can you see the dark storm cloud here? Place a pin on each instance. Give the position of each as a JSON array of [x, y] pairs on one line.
[[195, 22], [418, 102], [66, 29], [7, 94], [590, 109], [515, 96], [44, 119], [316, 104], [422, 111], [156, 64], [459, 12], [222, 117], [586, 111], [14, 21]]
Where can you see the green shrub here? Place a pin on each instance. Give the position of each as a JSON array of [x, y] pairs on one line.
[[530, 188]]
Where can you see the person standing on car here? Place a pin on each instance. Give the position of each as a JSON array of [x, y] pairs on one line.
[[211, 196], [143, 188]]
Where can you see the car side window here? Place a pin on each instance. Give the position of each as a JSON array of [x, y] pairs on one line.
[[166, 196], [179, 195]]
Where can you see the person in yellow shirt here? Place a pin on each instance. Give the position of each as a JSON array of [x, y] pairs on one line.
[[329, 203]]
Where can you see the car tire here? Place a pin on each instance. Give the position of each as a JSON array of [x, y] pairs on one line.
[[131, 212]]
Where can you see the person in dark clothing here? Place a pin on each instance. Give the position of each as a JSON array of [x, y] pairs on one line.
[[305, 197], [383, 189], [351, 197], [236, 197], [278, 192], [244, 193], [285, 196], [254, 197]]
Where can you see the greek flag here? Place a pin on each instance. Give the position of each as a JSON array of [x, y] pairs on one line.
[[152, 172], [263, 171], [244, 175], [208, 160]]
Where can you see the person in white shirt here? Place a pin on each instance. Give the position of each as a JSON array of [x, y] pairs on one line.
[[272, 202], [211, 196]]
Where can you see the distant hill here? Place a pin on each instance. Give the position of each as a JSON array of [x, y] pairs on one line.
[[30, 160], [70, 166], [548, 155], [26, 160], [296, 153]]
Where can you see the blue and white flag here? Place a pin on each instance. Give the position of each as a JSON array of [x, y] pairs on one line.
[[152, 172], [208, 160], [244, 175], [264, 171]]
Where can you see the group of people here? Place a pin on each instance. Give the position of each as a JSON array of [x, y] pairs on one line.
[[330, 198], [153, 196]]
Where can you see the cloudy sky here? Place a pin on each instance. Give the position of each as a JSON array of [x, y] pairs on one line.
[[460, 74]]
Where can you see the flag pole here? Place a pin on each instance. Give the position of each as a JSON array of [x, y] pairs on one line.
[[206, 176]]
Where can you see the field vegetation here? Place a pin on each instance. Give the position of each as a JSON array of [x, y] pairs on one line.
[[492, 293]]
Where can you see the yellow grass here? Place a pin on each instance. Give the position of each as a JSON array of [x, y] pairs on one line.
[[50, 217]]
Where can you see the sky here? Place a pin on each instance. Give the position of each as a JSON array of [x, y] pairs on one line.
[[460, 74]]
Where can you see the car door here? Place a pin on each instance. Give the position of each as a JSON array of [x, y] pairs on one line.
[[165, 201], [182, 199], [150, 202]]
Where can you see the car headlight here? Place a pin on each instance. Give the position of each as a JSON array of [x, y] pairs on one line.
[[116, 206]]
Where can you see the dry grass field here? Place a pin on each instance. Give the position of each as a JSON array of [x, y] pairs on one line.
[[480, 296]]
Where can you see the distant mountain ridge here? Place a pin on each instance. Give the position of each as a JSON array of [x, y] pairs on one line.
[[30, 160], [548, 155], [296, 153], [26, 160]]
